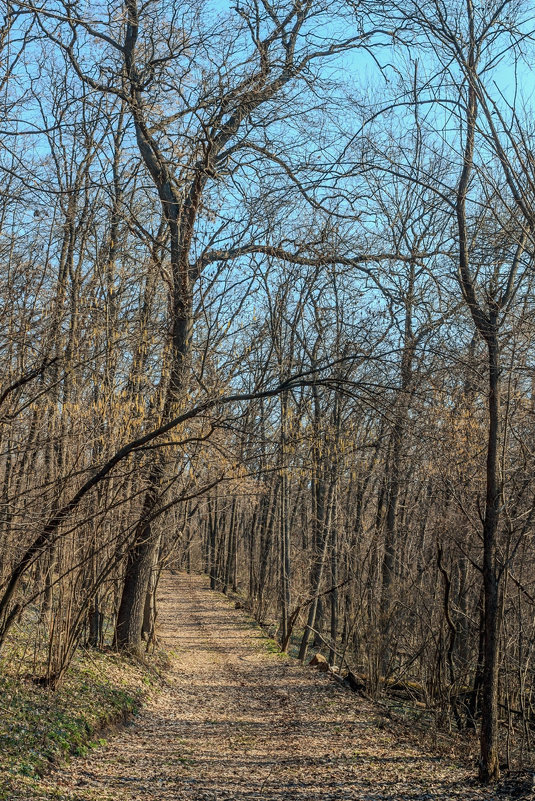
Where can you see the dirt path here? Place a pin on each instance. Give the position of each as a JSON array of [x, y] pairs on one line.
[[236, 722]]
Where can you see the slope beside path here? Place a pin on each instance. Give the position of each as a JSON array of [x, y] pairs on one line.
[[236, 722]]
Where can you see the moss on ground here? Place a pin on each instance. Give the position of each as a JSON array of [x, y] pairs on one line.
[[40, 727]]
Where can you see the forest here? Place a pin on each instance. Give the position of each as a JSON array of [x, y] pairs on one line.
[[267, 312]]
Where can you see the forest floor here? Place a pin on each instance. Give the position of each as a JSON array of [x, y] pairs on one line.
[[235, 720]]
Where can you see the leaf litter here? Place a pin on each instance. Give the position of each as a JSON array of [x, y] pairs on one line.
[[234, 721]]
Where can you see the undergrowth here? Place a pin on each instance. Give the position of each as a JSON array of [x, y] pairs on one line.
[[40, 727]]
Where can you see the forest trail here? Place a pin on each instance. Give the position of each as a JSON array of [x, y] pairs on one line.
[[237, 722]]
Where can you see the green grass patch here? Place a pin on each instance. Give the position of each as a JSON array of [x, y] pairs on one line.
[[40, 727], [272, 647]]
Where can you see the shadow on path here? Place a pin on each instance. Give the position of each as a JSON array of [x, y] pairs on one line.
[[237, 722]]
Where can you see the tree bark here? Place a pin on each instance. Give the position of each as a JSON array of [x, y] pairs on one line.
[[489, 768]]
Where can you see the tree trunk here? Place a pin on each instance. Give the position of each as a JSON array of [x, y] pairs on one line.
[[149, 612], [285, 563], [489, 768], [139, 563]]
